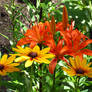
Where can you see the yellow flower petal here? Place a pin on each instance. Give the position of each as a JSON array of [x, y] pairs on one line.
[[43, 60], [45, 50], [10, 59], [36, 49], [72, 63], [77, 62], [28, 63], [17, 50], [3, 59], [14, 64], [21, 58], [28, 50], [48, 55], [70, 72], [3, 73], [79, 68], [16, 54], [20, 48], [84, 62]]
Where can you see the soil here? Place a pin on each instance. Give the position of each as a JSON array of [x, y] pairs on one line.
[[6, 24]]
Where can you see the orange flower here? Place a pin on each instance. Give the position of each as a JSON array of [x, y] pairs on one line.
[[59, 50], [38, 34], [76, 42]]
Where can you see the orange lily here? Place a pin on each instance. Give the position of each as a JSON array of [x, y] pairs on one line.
[[75, 40], [59, 50], [37, 35], [76, 43]]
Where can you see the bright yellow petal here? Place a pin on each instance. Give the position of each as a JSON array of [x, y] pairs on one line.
[[16, 54], [3, 59], [17, 50], [84, 62], [10, 59], [77, 62], [22, 58], [14, 64], [25, 50], [36, 49], [45, 50], [3, 73], [28, 63], [48, 55], [43, 60], [70, 72], [72, 63], [28, 50], [21, 49]]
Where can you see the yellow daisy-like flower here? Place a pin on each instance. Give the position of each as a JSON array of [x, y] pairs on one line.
[[29, 55], [7, 64], [78, 67]]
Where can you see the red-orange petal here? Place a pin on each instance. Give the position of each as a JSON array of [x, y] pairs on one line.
[[87, 52], [65, 18], [24, 41], [53, 25], [52, 65], [85, 43]]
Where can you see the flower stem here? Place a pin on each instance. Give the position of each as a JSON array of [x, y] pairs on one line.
[[40, 81], [54, 79], [77, 88]]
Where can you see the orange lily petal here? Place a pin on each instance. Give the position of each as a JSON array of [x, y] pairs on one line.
[[24, 41], [65, 18], [53, 25], [85, 43], [52, 65], [87, 52]]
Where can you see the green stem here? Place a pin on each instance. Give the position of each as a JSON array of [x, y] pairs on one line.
[[31, 76], [40, 81], [77, 88], [54, 80], [29, 80]]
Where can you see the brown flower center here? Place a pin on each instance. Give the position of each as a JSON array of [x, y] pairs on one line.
[[1, 67], [32, 54], [80, 71]]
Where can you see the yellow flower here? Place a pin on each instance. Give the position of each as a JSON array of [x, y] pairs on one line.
[[78, 67], [29, 55], [7, 65]]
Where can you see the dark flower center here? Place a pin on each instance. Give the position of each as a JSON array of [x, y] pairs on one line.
[[1, 67], [32, 54], [80, 71]]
